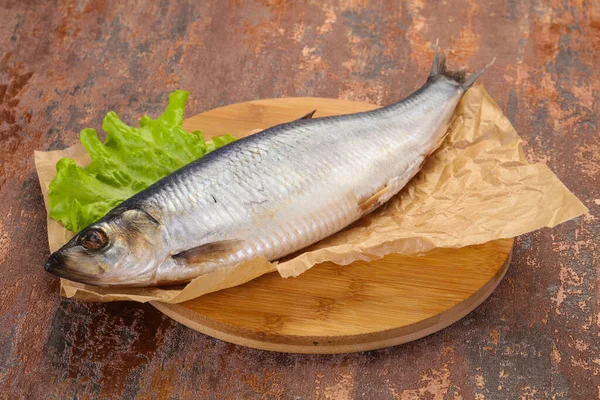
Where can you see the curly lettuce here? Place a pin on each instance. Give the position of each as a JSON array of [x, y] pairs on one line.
[[129, 160]]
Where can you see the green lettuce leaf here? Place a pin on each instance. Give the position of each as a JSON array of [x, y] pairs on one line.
[[129, 160]]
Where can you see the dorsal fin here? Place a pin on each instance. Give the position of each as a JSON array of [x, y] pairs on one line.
[[306, 116]]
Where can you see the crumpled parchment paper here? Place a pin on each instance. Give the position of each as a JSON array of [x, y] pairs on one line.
[[477, 187]]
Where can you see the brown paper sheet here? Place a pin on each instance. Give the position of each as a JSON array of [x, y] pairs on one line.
[[477, 187]]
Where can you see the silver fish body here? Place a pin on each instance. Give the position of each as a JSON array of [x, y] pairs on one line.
[[270, 194]]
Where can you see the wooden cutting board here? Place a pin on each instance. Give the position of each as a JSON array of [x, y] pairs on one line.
[[331, 308]]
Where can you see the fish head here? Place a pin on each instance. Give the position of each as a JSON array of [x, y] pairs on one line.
[[122, 249]]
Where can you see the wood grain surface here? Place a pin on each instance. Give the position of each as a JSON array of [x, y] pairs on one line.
[[243, 118], [331, 308], [344, 309], [65, 64]]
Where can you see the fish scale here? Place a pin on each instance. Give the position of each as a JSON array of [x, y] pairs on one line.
[[268, 235], [269, 194]]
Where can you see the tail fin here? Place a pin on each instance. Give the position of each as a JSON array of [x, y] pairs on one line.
[[438, 68]]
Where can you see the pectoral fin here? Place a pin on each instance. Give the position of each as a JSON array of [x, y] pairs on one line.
[[209, 252]]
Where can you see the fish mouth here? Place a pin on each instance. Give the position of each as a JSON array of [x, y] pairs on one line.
[[53, 265], [56, 266]]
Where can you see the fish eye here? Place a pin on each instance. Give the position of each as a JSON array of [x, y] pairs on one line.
[[94, 239]]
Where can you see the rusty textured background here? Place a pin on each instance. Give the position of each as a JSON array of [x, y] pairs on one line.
[[63, 65]]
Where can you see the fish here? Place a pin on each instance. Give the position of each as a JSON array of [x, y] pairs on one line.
[[267, 195]]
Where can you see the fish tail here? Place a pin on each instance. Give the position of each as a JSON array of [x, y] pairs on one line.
[[439, 68]]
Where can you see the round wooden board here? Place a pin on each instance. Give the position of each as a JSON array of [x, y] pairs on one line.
[[332, 308]]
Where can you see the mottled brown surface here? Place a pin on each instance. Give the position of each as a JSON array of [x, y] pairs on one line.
[[63, 66]]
